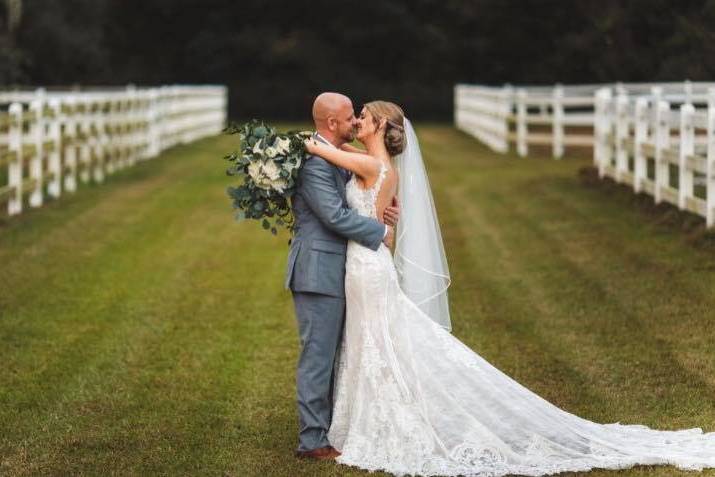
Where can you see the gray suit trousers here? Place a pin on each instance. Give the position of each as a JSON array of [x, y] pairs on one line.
[[320, 324]]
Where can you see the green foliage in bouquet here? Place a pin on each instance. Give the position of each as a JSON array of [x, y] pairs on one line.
[[268, 163]]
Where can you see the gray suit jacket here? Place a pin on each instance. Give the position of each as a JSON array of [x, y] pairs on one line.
[[323, 225]]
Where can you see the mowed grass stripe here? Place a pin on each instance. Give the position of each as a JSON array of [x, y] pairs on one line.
[[150, 335], [538, 244], [538, 255], [158, 289], [604, 330], [501, 309], [633, 280], [125, 268]]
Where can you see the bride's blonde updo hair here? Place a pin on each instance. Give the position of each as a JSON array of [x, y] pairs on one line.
[[395, 138]]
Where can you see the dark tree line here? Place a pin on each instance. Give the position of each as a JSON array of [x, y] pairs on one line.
[[276, 55]]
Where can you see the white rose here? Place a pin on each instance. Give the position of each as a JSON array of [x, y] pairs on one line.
[[264, 183], [271, 170], [258, 174], [254, 170], [279, 185], [282, 145], [257, 147], [271, 151]]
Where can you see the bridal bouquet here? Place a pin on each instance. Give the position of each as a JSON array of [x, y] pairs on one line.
[[268, 162]]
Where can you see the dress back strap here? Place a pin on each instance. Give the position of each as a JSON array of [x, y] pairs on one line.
[[380, 178]]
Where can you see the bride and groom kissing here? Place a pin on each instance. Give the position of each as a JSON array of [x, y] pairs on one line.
[[382, 384]]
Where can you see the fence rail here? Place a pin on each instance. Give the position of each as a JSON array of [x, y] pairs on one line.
[[660, 144], [657, 137], [52, 140], [558, 117]]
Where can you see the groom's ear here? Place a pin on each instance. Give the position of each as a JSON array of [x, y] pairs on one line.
[[332, 123]]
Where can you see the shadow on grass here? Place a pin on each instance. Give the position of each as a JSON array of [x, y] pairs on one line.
[[691, 226]]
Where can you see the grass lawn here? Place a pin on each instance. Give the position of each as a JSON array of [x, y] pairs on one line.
[[144, 332]]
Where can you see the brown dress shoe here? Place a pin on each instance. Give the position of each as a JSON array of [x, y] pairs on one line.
[[321, 453]]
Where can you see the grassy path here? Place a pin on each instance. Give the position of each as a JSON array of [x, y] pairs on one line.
[[143, 332]]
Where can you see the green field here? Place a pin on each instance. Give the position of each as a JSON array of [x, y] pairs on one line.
[[144, 332]]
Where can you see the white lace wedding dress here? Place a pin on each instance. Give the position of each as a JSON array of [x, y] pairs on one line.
[[410, 398]]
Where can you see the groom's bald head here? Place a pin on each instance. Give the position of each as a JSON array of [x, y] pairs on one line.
[[334, 117], [328, 105]]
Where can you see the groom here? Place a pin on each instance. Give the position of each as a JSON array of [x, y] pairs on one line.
[[316, 269]]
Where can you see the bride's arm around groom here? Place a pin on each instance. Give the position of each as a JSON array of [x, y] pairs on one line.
[[319, 188]]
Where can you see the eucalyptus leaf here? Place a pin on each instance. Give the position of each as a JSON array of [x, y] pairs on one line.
[[256, 198]]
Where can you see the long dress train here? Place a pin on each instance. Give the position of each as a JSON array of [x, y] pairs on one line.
[[411, 399]]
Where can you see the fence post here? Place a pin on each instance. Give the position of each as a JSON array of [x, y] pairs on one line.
[[640, 136], [456, 100], [153, 122], [136, 114], [621, 136], [85, 149], [662, 141], [111, 157], [710, 176], [114, 132], [504, 111], [558, 122], [602, 153], [657, 93], [173, 117], [181, 122], [70, 145], [164, 116], [597, 127], [688, 90], [122, 124], [14, 173], [522, 144], [223, 114], [687, 147], [97, 149], [620, 89], [110, 136], [37, 132], [128, 119], [54, 167]]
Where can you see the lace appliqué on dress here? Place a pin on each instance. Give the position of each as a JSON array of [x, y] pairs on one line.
[[411, 399]]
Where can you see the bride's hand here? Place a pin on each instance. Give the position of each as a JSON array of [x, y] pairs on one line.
[[391, 214], [311, 145]]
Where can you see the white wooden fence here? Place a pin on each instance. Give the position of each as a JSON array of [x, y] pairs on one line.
[[659, 138], [661, 143], [558, 116], [526, 116], [51, 140]]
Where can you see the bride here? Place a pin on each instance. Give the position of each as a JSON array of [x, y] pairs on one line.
[[409, 397]]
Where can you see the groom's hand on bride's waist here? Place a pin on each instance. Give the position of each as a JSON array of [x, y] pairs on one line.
[[391, 215]]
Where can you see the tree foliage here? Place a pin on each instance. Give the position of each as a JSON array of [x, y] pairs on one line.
[[276, 56]]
